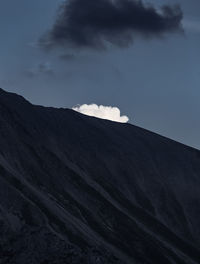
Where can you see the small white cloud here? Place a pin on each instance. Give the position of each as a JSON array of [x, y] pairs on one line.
[[103, 112]]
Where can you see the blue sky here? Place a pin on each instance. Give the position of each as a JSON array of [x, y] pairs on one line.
[[155, 82]]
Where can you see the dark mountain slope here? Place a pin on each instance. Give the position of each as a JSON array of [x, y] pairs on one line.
[[76, 189]]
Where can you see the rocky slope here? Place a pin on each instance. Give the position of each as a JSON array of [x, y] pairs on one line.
[[76, 189]]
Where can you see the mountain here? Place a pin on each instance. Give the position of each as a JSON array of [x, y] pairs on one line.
[[77, 189]]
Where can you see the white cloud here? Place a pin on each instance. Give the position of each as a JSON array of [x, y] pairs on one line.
[[103, 112]]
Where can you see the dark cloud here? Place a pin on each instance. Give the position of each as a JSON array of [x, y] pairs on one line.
[[93, 23]]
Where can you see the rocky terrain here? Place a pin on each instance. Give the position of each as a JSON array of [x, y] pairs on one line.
[[77, 189]]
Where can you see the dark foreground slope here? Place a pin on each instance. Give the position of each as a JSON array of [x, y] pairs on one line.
[[76, 189]]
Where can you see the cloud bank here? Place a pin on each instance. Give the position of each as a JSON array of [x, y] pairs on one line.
[[103, 112], [95, 23]]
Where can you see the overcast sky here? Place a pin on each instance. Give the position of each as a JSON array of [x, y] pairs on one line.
[[152, 74]]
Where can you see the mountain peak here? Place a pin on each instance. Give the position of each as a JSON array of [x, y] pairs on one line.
[[11, 97]]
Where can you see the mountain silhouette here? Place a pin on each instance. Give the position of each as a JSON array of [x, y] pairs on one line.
[[78, 189]]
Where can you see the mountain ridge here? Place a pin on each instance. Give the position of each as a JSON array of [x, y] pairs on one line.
[[89, 190], [2, 91]]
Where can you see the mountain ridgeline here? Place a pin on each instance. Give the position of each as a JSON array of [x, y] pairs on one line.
[[77, 189]]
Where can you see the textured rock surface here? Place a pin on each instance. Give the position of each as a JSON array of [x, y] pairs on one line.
[[76, 189]]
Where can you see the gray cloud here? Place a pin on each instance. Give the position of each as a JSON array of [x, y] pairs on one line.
[[192, 25], [93, 23], [67, 57], [41, 68]]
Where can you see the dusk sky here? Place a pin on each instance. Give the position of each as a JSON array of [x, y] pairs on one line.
[[151, 71]]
